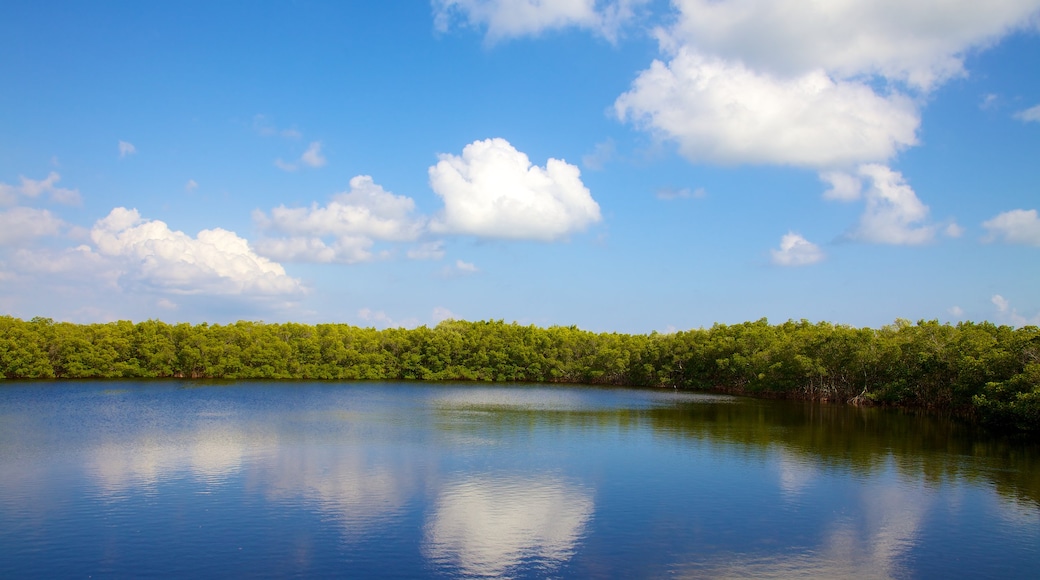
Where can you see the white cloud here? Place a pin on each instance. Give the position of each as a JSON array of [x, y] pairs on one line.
[[956, 311], [844, 186], [954, 230], [427, 251], [810, 84], [1010, 314], [21, 224], [166, 304], [32, 188], [191, 185], [459, 268], [214, 262], [312, 157], [263, 126], [466, 266], [126, 148], [441, 313], [380, 319], [721, 111], [922, 43], [1030, 114], [493, 190], [285, 166], [1017, 226], [796, 251], [669, 194], [894, 214], [351, 222], [514, 18], [989, 100], [601, 154], [1000, 302], [344, 249]]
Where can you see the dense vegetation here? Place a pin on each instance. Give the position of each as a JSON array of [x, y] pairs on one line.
[[986, 371]]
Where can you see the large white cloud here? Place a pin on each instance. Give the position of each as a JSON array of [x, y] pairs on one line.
[[513, 18], [21, 224], [721, 111], [921, 43], [1017, 226], [345, 229], [894, 214], [493, 190], [214, 262], [791, 82]]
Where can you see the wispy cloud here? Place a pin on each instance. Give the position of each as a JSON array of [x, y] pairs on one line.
[[669, 194], [32, 189], [312, 157], [126, 148], [1031, 114]]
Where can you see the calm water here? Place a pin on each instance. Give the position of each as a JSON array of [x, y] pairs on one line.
[[132, 479]]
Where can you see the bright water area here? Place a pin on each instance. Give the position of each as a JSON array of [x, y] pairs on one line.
[[195, 480]]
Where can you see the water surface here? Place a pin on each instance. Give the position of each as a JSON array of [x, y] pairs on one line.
[[186, 479]]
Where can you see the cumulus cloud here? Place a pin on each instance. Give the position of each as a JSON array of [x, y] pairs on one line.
[[32, 189], [824, 85], [1017, 226], [719, 111], [493, 190], [1031, 114], [21, 224], [345, 229], [126, 148], [894, 214], [921, 43], [214, 262], [514, 18], [844, 186], [796, 251]]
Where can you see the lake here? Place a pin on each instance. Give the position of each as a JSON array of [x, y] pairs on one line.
[[274, 479]]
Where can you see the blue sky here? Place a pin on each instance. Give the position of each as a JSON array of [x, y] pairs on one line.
[[621, 165]]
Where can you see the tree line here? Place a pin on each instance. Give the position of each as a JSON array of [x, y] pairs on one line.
[[985, 371]]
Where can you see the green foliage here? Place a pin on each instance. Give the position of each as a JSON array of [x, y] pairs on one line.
[[990, 371]]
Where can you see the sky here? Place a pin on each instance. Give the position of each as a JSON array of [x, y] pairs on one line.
[[619, 165]]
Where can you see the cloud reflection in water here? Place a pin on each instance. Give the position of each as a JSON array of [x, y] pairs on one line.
[[484, 525]]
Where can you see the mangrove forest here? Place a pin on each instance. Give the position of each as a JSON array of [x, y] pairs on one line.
[[981, 371]]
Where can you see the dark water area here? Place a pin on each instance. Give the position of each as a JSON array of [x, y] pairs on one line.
[[187, 479]]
